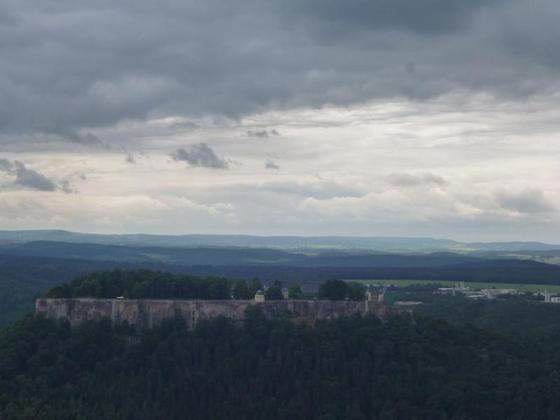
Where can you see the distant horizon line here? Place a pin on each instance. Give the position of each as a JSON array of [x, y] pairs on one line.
[[264, 236]]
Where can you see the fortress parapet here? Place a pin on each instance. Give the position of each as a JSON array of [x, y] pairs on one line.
[[147, 313]]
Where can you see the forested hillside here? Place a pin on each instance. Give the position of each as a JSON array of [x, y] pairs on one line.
[[523, 316], [23, 279], [346, 369]]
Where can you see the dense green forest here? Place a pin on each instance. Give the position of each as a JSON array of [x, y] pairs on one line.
[[455, 359], [142, 284], [520, 316], [354, 368], [147, 284], [340, 290], [23, 279]]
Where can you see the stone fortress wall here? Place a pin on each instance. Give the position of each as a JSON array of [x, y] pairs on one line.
[[147, 312]]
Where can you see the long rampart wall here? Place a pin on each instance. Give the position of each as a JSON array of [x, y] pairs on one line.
[[147, 313]]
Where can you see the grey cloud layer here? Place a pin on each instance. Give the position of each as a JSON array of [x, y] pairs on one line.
[[421, 16], [69, 67], [200, 155], [343, 95], [407, 180], [317, 189]]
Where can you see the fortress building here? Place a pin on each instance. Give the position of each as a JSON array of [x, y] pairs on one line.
[[147, 312]]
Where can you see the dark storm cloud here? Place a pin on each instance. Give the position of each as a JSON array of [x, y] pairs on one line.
[[528, 201], [422, 16], [200, 155], [67, 187], [71, 67], [130, 158], [262, 134], [29, 178], [6, 18], [269, 164], [6, 166]]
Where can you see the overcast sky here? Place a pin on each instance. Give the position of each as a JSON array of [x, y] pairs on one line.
[[316, 117]]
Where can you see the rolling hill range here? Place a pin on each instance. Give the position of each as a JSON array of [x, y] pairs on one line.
[[230, 255], [382, 244]]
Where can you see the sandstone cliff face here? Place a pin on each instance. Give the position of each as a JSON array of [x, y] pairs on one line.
[[147, 313]]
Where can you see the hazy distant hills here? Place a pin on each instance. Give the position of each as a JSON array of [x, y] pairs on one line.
[[219, 256], [282, 242], [382, 244]]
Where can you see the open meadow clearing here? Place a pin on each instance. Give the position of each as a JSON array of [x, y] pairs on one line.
[[475, 285]]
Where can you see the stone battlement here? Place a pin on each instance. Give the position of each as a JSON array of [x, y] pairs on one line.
[[147, 312]]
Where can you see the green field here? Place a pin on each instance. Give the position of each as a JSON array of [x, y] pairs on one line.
[[475, 285]]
